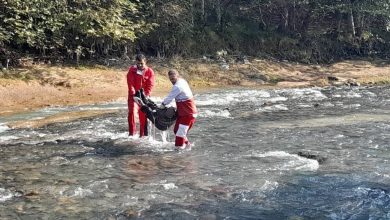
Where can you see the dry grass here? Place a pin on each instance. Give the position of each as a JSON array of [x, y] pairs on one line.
[[376, 80], [41, 85]]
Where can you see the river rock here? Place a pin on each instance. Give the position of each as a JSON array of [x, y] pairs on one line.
[[224, 66], [31, 194], [308, 155], [333, 78], [130, 213], [339, 81], [352, 82], [258, 76], [267, 103]]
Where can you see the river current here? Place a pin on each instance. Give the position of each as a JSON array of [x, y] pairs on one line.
[[315, 153]]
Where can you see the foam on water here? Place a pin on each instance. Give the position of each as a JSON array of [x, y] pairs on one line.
[[273, 108], [215, 113], [277, 99], [369, 94], [309, 94], [5, 195], [4, 139], [168, 186], [269, 186], [156, 145], [352, 106], [80, 192], [352, 94], [214, 100], [304, 106], [3, 127], [294, 162], [218, 99], [151, 143]]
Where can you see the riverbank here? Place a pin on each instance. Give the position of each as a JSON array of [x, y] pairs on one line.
[[38, 86]]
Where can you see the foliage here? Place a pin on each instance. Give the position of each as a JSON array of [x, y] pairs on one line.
[[302, 30]]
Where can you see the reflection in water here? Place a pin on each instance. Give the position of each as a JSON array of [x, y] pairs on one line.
[[257, 154]]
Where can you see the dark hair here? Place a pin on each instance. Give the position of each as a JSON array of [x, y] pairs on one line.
[[173, 71], [140, 57]]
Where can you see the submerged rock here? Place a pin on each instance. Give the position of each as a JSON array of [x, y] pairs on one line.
[[352, 82], [333, 78], [307, 155], [338, 81]]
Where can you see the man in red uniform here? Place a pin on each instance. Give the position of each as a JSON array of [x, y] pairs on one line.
[[186, 109], [139, 76]]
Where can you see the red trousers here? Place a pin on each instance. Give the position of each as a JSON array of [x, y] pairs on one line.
[[182, 126], [143, 125]]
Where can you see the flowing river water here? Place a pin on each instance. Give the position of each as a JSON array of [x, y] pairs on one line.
[[317, 153]]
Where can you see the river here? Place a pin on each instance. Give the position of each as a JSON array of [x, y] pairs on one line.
[[314, 153]]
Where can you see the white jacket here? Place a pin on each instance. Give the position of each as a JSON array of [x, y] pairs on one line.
[[180, 92]]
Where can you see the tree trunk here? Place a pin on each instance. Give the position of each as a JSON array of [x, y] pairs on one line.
[[218, 11], [203, 14], [359, 21], [286, 18], [339, 22], [293, 16], [192, 14], [262, 24], [283, 25], [125, 50], [305, 24], [352, 22]]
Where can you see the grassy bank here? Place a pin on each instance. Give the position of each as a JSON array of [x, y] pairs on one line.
[[36, 86]]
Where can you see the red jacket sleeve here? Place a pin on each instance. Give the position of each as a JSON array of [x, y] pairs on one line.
[[130, 81], [149, 82]]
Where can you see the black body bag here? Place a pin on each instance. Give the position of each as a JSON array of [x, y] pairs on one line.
[[162, 118]]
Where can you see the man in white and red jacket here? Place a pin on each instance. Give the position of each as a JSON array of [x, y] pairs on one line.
[[139, 76], [186, 109]]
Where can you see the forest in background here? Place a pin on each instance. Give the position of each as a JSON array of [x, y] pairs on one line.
[[307, 31]]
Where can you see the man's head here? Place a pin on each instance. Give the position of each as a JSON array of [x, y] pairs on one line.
[[173, 76], [141, 61]]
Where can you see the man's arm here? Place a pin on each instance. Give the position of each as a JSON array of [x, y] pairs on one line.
[[149, 84], [172, 95], [130, 82]]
